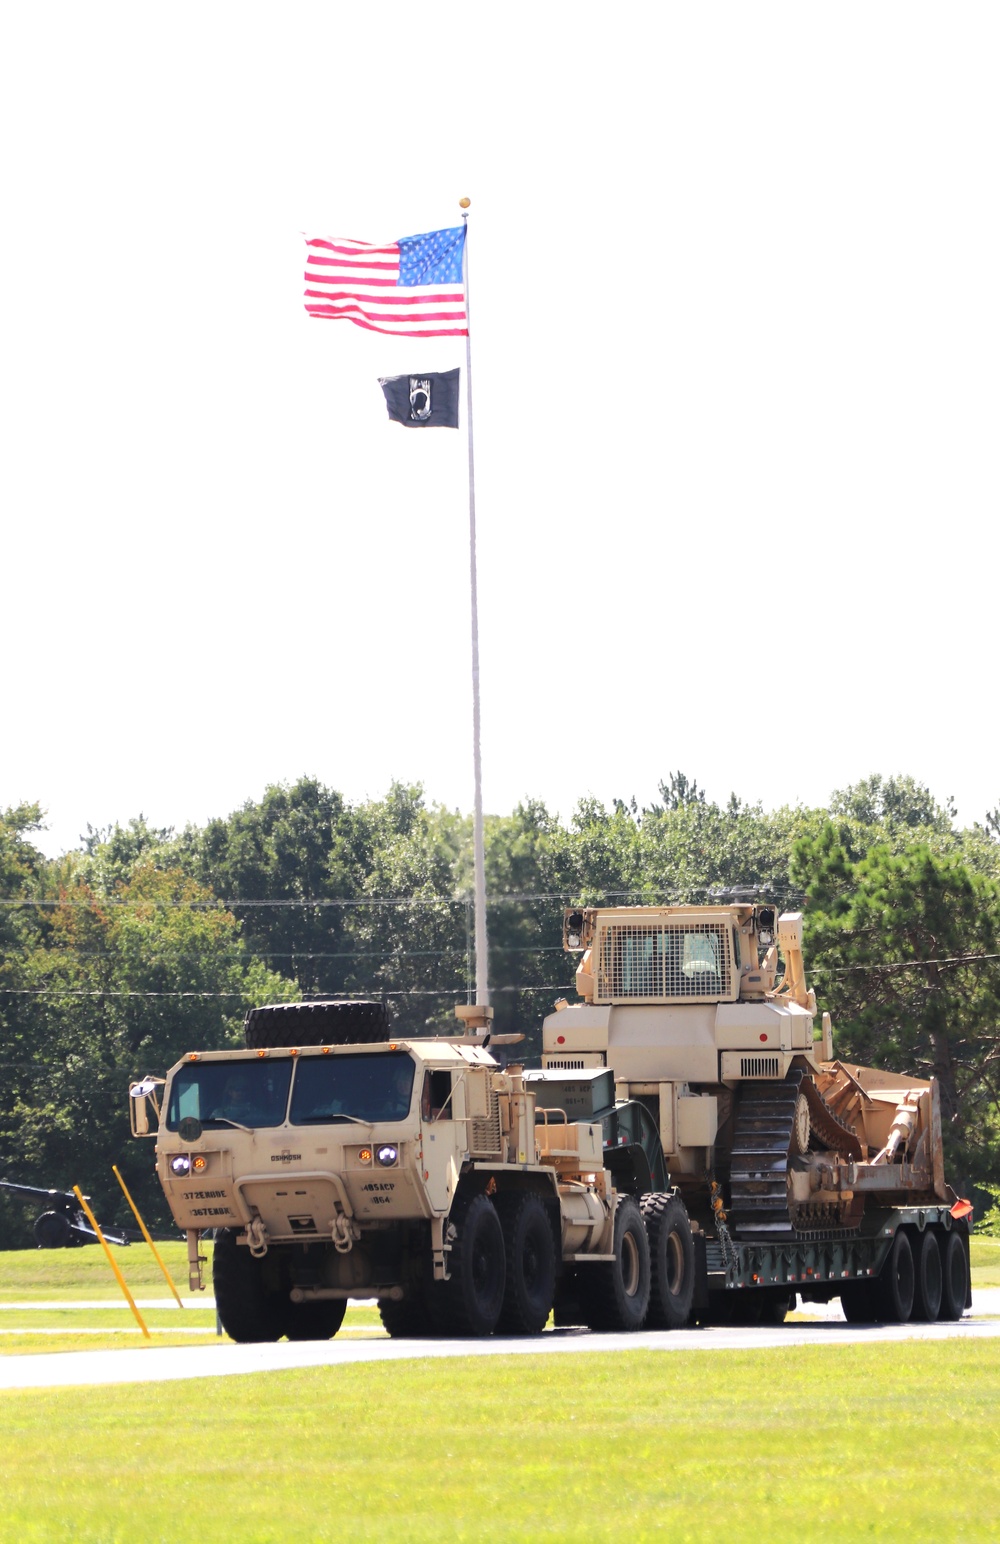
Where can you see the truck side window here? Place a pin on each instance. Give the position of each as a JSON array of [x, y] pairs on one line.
[[434, 1094]]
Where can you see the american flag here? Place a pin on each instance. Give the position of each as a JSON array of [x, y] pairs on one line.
[[412, 286]]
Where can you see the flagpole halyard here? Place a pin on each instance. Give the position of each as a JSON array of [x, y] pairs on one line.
[[479, 848]]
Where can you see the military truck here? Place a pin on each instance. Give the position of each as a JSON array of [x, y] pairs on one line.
[[333, 1162], [687, 1149], [802, 1174]]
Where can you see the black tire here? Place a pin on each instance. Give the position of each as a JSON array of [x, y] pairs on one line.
[[954, 1277], [859, 1301], [323, 1023], [52, 1231], [314, 1321], [411, 1318], [473, 1295], [249, 1312], [615, 1294], [774, 1308], [741, 1309], [530, 1255], [897, 1283], [671, 1261], [928, 1277]]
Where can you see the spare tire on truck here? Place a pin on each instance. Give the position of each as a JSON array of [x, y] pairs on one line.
[[344, 1022]]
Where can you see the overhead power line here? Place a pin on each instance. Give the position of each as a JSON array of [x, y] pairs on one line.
[[565, 897], [456, 991]]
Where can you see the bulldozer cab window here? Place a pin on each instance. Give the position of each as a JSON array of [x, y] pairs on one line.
[[371, 1086], [669, 961], [701, 955], [220, 1094]]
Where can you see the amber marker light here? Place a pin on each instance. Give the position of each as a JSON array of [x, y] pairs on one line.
[[326, 1050], [293, 1052], [199, 1163], [365, 1155], [192, 1055], [261, 1053]]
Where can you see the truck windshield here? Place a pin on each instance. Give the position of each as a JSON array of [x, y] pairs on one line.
[[220, 1094], [370, 1086]]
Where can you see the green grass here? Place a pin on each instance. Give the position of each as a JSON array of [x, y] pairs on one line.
[[851, 1442], [58, 1273], [73, 1276], [984, 1258]]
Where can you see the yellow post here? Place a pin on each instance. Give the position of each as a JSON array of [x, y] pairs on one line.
[[112, 1262], [145, 1234]]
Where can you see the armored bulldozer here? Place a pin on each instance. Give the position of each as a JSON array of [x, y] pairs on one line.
[[335, 1162], [800, 1171]]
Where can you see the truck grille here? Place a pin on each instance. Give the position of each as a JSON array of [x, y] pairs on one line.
[[663, 960]]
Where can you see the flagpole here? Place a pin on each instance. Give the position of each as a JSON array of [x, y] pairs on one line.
[[479, 848]]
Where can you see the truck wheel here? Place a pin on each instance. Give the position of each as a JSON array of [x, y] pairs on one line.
[[671, 1261], [928, 1279], [248, 1311], [314, 1321], [897, 1282], [473, 1295], [408, 1319], [530, 1253], [615, 1294], [954, 1278], [858, 1300]]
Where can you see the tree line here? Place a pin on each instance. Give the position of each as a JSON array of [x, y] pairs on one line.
[[145, 943]]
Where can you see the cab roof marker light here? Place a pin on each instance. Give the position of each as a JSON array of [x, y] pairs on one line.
[[261, 1053]]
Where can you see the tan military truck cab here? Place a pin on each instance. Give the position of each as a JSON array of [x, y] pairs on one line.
[[418, 1172]]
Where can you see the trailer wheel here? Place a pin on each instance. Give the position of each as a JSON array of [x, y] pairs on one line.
[[473, 1296], [954, 1278], [615, 1293], [530, 1253], [858, 1301], [775, 1308], [314, 1321], [52, 1231], [928, 1277], [897, 1282], [671, 1261], [248, 1311]]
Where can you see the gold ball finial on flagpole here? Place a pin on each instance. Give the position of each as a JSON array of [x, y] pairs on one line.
[[464, 203]]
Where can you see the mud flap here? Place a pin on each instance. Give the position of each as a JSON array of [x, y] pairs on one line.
[[699, 1305]]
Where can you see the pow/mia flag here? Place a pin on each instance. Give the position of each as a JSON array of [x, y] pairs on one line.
[[422, 401]]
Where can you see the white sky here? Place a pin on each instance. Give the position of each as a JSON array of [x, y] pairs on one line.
[[736, 331]]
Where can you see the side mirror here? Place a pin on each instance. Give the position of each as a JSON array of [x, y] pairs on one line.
[[138, 1109]]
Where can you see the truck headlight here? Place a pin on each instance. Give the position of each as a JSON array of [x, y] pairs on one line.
[[387, 1155], [180, 1165]]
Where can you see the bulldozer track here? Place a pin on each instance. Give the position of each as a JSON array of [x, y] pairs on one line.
[[761, 1148]]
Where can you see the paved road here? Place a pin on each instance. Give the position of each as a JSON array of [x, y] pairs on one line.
[[148, 1364]]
